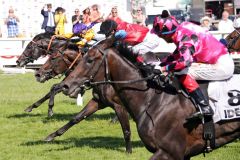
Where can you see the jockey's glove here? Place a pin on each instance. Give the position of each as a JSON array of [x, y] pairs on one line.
[[120, 34]]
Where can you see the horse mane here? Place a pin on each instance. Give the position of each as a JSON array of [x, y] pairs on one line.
[[43, 35], [126, 52], [73, 46]]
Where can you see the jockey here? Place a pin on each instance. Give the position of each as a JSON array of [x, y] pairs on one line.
[[83, 31], [198, 56], [140, 37]]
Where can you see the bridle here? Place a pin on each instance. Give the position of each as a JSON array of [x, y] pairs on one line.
[[69, 64], [40, 46], [90, 83]]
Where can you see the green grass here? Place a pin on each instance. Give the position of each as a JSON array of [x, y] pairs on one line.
[[95, 138]]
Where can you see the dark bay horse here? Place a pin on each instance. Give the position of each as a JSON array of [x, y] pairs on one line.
[[233, 45], [160, 115], [41, 45], [103, 97], [233, 41], [59, 63]]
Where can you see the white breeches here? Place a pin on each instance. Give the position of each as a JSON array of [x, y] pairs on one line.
[[150, 42], [97, 36], [223, 69]]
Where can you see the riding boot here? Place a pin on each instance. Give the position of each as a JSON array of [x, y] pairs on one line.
[[200, 99]]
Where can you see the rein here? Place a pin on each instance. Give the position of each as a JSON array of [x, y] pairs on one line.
[[51, 40], [75, 60], [49, 44]]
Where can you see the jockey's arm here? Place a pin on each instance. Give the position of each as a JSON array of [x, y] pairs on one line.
[[88, 36], [182, 58]]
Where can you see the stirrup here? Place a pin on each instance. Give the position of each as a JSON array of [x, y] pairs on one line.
[[197, 115]]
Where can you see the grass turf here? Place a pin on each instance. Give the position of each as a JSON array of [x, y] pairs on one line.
[[21, 133]]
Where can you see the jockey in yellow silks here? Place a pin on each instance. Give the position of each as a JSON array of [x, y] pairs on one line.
[[83, 31]]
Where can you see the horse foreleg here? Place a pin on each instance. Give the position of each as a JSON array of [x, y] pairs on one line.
[[88, 110], [57, 89], [124, 121], [42, 100], [161, 154], [38, 103]]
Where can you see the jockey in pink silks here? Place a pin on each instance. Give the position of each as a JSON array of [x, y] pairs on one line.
[[198, 56]]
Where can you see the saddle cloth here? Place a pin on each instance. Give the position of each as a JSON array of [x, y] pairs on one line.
[[224, 98]]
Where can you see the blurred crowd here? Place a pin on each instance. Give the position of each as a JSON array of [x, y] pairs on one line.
[[87, 16], [55, 20]]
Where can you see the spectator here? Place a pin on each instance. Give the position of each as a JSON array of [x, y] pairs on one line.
[[86, 16], [77, 18], [12, 24], [225, 24], [206, 24], [114, 15], [48, 22], [96, 15], [60, 20], [236, 23], [140, 18]]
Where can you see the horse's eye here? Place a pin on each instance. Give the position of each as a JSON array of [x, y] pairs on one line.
[[89, 60]]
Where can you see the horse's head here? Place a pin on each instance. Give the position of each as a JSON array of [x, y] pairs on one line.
[[60, 62], [41, 44], [90, 68], [233, 41]]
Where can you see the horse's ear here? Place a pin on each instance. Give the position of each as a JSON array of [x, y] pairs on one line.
[[109, 41]]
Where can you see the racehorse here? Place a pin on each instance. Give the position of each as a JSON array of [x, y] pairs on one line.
[[233, 41], [233, 45], [59, 63], [62, 62], [160, 114], [41, 45], [102, 96]]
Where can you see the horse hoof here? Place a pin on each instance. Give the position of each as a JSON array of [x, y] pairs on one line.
[[48, 139], [129, 151], [114, 120], [28, 109], [50, 114]]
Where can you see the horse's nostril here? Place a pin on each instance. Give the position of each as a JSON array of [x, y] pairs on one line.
[[65, 88], [37, 75]]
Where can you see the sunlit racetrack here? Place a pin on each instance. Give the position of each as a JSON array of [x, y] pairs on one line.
[[95, 138]]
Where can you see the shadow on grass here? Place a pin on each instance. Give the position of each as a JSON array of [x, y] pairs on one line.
[[103, 116], [113, 143], [63, 116], [25, 115]]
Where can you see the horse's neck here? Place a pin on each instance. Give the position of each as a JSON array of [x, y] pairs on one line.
[[135, 96]]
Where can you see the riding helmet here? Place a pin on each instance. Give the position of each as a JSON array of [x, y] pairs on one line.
[[107, 27], [164, 26]]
